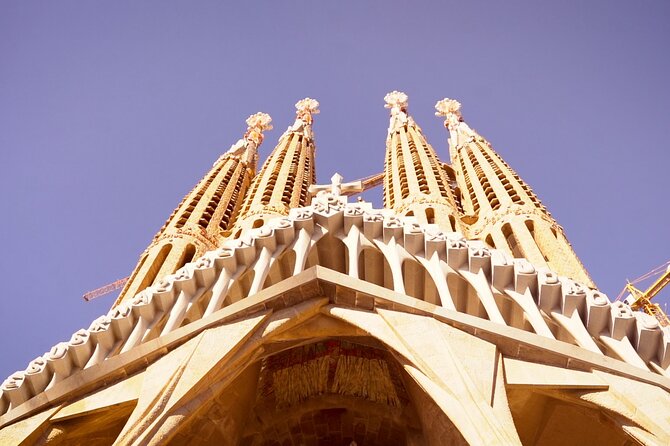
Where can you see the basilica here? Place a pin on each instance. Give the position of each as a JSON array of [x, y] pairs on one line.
[[272, 310]]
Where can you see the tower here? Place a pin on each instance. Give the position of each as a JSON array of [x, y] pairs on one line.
[[415, 182], [283, 181], [499, 207], [204, 215]]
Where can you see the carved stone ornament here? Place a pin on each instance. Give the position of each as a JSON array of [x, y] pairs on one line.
[[303, 214], [550, 278], [373, 217], [353, 211], [13, 382], [100, 324], [307, 105], [396, 100], [58, 351], [524, 266], [223, 253], [480, 252], [184, 273], [80, 337], [259, 121], [413, 228], [435, 236], [281, 223], [451, 110], [203, 263], [457, 243], [306, 108], [325, 202], [392, 222], [143, 298], [575, 289], [36, 366]]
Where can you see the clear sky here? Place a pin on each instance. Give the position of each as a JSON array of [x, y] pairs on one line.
[[111, 111]]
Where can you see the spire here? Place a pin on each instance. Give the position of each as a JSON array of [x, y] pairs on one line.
[[415, 181], [499, 206], [284, 179], [205, 215]]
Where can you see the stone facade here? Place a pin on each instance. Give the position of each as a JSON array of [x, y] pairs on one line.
[[335, 323]]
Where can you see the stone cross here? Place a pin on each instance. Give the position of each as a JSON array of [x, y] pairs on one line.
[[337, 187]]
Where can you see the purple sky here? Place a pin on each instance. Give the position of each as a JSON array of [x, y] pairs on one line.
[[111, 111]]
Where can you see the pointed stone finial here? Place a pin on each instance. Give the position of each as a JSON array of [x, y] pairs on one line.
[[253, 137], [260, 121], [396, 101], [306, 108], [451, 110], [257, 124]]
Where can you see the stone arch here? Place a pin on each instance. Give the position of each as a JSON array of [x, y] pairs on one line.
[[197, 309], [465, 296], [418, 282], [560, 418], [341, 390], [329, 252], [512, 312], [373, 267], [240, 289], [282, 268]]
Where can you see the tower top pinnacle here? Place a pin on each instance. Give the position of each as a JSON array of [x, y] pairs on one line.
[[253, 137], [257, 124], [397, 101], [451, 110], [306, 108]]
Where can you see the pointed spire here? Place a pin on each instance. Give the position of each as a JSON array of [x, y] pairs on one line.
[[415, 181], [397, 101], [500, 207], [205, 214], [247, 147], [286, 175], [460, 132]]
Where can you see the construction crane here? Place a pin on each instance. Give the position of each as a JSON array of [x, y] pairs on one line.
[[106, 289], [641, 300], [365, 183]]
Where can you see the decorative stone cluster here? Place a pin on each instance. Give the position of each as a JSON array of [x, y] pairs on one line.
[[586, 316]]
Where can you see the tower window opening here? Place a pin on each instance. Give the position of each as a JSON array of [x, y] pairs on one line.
[[155, 267], [531, 228], [194, 201], [186, 257], [430, 215], [512, 241]]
